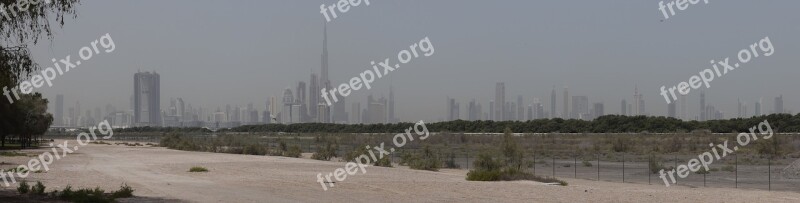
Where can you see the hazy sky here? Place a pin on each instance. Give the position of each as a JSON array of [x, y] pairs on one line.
[[213, 53]]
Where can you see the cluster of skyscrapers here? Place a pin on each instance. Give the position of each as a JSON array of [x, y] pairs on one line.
[[579, 107]]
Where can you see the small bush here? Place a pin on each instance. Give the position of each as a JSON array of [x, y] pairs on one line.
[[294, 151], [198, 169], [655, 165], [124, 191], [383, 162], [23, 188], [425, 161], [587, 163], [38, 189]]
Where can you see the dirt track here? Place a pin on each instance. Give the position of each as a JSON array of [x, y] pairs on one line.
[[160, 174]]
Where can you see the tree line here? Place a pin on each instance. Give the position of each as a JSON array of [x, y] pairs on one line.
[[603, 124]]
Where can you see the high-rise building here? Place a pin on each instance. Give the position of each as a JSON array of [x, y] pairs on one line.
[[376, 110], [500, 101], [638, 108], [758, 108], [553, 103], [313, 97], [392, 118], [672, 110], [452, 109], [703, 112], [491, 110], [301, 100], [287, 116], [580, 107], [355, 113], [599, 110], [520, 108], [339, 111], [779, 105], [324, 80], [147, 99], [565, 114], [58, 116], [623, 108], [684, 113]]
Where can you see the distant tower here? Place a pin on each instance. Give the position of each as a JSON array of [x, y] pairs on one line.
[[623, 108], [500, 101], [147, 99], [636, 99], [779, 105], [58, 117], [313, 97], [392, 118], [703, 114], [683, 108], [565, 114], [553, 103]]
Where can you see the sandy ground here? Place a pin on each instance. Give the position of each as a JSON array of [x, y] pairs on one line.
[[160, 175]]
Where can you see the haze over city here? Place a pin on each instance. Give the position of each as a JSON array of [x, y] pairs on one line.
[[212, 54]]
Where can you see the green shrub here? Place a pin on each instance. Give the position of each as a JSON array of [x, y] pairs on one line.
[[587, 163], [383, 162], [325, 153], [655, 164], [38, 189], [124, 191], [198, 169], [427, 160], [294, 151], [23, 187], [450, 162]]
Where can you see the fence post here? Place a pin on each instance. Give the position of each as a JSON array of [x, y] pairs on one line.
[[736, 171], [769, 174], [598, 166], [534, 162], [676, 166], [467, 159], [649, 169], [576, 166], [623, 167]]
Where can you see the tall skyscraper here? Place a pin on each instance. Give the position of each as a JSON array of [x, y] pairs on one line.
[[58, 116], [703, 113], [324, 80], [565, 114], [355, 113], [500, 101], [684, 115], [301, 100], [147, 99], [491, 110], [738, 108], [520, 109], [392, 118], [636, 102], [376, 110], [623, 108], [599, 110], [288, 115], [580, 107], [313, 97], [453, 109], [672, 110], [553, 103], [758, 108], [779, 104]]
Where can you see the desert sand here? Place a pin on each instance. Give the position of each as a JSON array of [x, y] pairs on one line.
[[160, 175]]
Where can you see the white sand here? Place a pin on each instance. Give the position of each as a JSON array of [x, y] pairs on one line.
[[159, 173]]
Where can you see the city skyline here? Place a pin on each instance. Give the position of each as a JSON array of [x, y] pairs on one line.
[[247, 68]]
